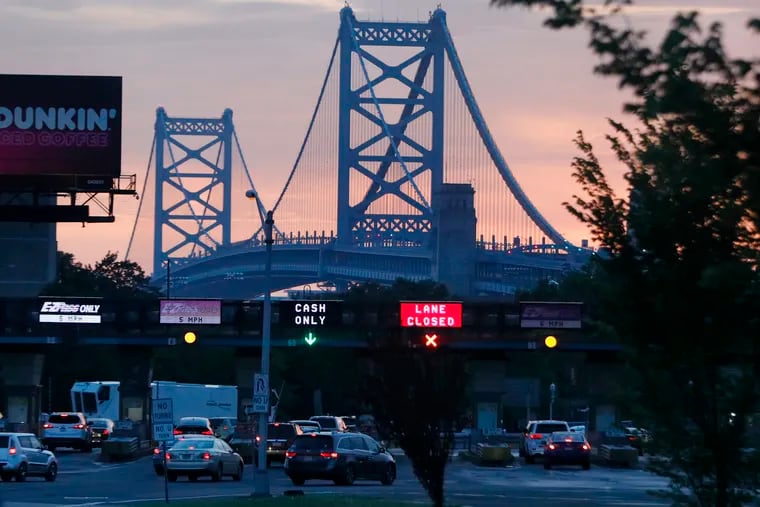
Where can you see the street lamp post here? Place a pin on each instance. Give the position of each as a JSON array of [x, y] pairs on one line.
[[261, 477], [552, 395]]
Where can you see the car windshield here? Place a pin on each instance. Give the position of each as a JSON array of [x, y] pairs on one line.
[[99, 423], [567, 436], [194, 444], [64, 419], [313, 443], [550, 427], [4, 439], [192, 429], [326, 422], [280, 431]]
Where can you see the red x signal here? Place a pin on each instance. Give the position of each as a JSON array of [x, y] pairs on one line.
[[431, 340]]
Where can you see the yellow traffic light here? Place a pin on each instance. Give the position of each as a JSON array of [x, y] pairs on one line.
[[190, 337], [550, 341]]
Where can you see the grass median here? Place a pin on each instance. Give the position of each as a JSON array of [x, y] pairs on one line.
[[320, 500]]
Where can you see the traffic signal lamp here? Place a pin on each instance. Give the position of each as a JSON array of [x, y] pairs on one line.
[[190, 337], [431, 340], [550, 341]]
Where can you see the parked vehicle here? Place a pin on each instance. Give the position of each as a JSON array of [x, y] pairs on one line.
[[280, 437], [23, 455], [101, 400], [194, 458], [567, 448], [338, 456], [65, 429], [330, 422], [223, 427], [307, 425]]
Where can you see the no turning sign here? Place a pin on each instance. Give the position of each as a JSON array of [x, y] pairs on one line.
[[162, 418]]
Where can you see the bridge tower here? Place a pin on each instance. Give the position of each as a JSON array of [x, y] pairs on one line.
[[193, 198], [405, 169]]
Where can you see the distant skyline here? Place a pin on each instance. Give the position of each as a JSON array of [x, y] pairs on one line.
[[266, 59]]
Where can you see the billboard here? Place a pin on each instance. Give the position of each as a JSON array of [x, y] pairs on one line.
[[60, 131], [431, 314], [190, 311], [70, 310]]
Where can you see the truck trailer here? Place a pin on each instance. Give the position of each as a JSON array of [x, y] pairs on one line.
[[102, 399]]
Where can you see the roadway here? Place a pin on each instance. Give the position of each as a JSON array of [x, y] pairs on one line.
[[83, 481]]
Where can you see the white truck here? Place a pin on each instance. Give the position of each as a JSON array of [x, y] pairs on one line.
[[101, 399]]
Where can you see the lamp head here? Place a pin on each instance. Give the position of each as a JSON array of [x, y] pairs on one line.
[[251, 194]]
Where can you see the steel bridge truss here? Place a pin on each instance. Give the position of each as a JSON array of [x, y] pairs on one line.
[[185, 209], [357, 224]]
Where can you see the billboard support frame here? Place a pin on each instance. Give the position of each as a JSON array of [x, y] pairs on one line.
[[78, 209]]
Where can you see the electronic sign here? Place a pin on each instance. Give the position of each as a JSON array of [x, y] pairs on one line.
[[431, 314], [190, 311], [312, 313], [70, 310], [550, 315]]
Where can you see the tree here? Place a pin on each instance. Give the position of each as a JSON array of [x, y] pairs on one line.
[[417, 395], [683, 244], [109, 278]]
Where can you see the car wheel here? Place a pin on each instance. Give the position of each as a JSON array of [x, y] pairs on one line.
[[349, 475], [389, 475], [171, 476], [51, 473], [217, 475], [159, 470], [21, 473], [297, 481], [238, 476], [6, 477], [87, 447]]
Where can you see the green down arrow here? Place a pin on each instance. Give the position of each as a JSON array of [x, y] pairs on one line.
[[310, 339]]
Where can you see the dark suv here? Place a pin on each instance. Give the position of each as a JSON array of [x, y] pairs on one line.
[[280, 436], [340, 457]]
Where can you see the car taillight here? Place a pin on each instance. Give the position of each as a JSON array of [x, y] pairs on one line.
[[177, 432], [536, 436], [206, 456], [290, 454], [207, 432], [12, 451], [631, 438], [329, 454], [585, 447], [552, 446], [78, 426], [47, 426], [105, 432], [258, 438], [156, 451]]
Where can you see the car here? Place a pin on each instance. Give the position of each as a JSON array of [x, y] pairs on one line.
[[101, 429], [338, 456], [67, 429], [23, 455], [280, 437], [330, 422], [536, 435], [307, 425], [223, 427], [158, 451], [193, 426], [567, 448], [194, 458]]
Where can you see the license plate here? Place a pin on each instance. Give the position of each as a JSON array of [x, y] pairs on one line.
[[308, 458], [62, 428], [568, 448]]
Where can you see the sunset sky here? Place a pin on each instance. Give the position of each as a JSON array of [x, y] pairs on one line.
[[266, 59]]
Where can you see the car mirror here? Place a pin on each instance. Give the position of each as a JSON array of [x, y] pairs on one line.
[[381, 449]]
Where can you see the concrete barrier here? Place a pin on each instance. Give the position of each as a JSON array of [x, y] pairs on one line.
[[626, 455]]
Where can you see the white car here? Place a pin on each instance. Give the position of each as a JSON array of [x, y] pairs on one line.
[[535, 436], [67, 429], [22, 455]]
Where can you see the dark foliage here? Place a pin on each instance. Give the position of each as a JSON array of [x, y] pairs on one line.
[[417, 395], [681, 279]]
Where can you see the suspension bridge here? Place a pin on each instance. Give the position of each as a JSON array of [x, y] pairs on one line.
[[398, 176]]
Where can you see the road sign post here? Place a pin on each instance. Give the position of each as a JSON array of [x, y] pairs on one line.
[[162, 418]]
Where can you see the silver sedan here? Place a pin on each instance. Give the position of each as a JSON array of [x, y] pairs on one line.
[[209, 456]]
